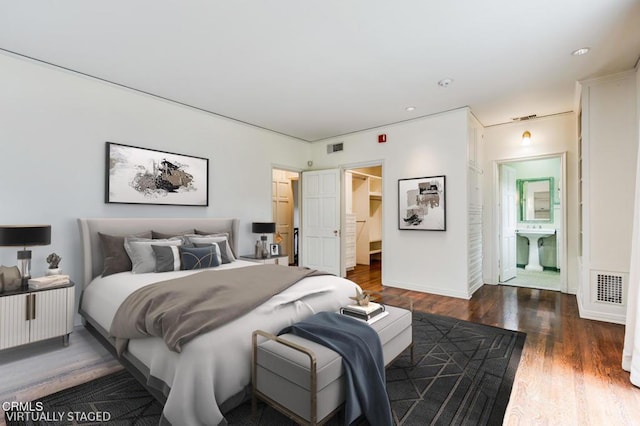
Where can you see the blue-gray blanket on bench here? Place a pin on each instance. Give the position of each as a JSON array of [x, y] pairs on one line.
[[361, 351]]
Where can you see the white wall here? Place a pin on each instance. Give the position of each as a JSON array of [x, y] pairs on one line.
[[550, 135], [430, 261], [53, 129]]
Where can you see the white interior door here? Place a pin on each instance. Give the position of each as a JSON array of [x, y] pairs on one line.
[[508, 219], [320, 243]]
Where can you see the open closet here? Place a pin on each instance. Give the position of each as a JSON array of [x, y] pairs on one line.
[[363, 216]]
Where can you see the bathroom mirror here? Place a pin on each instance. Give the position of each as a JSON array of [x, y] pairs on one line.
[[536, 200]]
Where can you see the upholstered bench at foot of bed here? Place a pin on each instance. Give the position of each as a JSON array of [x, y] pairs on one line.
[[304, 380]]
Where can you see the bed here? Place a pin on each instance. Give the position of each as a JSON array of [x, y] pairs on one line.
[[211, 375]]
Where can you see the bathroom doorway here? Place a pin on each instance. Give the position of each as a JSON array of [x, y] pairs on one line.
[[532, 222]]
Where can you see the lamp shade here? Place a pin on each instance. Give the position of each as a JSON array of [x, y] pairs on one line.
[[263, 227], [25, 235]]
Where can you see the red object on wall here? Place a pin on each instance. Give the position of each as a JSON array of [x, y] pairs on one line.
[[382, 138]]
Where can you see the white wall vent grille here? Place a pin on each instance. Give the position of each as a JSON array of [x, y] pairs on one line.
[[335, 147], [608, 287]]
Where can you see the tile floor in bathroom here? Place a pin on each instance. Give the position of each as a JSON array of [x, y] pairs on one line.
[[546, 280]]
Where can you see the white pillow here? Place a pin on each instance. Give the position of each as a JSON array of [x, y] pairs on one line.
[[143, 259]]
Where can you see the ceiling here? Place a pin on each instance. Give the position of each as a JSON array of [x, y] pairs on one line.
[[318, 69]]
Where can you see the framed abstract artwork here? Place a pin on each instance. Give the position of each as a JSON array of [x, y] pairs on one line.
[[145, 176], [422, 204]]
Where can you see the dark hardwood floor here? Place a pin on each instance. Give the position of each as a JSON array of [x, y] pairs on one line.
[[570, 371]]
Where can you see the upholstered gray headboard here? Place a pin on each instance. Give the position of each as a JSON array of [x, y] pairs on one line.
[[92, 249]]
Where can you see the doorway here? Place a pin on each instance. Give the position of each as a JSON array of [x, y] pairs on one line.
[[363, 221], [531, 222], [286, 212]]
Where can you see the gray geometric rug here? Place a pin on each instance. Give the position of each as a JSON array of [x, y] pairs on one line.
[[463, 374]]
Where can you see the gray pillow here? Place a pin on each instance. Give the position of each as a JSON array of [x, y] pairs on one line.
[[167, 258], [11, 278], [198, 257], [219, 234], [166, 236], [141, 254], [223, 243], [115, 258]]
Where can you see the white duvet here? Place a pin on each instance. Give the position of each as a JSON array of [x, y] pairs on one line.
[[217, 365]]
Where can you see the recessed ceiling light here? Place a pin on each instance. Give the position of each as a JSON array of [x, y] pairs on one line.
[[445, 82], [581, 51], [410, 108]]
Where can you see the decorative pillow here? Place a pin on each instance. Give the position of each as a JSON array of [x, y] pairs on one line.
[[164, 236], [218, 247], [167, 258], [1, 282], [11, 278], [225, 249], [115, 256], [202, 233], [139, 250], [198, 257]]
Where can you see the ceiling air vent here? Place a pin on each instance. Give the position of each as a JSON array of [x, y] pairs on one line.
[[335, 147], [608, 287], [525, 117]]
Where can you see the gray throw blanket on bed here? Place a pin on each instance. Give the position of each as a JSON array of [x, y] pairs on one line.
[[361, 351], [180, 309]]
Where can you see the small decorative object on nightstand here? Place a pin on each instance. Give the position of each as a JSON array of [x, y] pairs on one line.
[[54, 261]]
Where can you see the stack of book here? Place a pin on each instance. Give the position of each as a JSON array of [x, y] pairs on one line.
[[369, 313], [48, 281]]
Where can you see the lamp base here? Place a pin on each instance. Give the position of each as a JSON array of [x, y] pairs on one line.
[[265, 248], [24, 259]]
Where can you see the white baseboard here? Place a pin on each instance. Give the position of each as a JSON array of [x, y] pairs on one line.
[[430, 289], [598, 315]]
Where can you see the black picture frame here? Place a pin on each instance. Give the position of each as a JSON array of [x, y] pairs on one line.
[[422, 203], [136, 175], [274, 249]]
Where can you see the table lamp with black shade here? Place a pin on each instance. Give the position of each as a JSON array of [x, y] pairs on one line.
[[263, 228], [25, 236]]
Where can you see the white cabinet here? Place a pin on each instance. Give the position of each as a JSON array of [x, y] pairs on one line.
[[29, 316], [607, 155], [350, 241], [474, 205]]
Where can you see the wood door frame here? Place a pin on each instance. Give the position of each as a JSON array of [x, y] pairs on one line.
[[496, 222]]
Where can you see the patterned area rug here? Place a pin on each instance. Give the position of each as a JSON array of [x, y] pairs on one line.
[[463, 374]]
